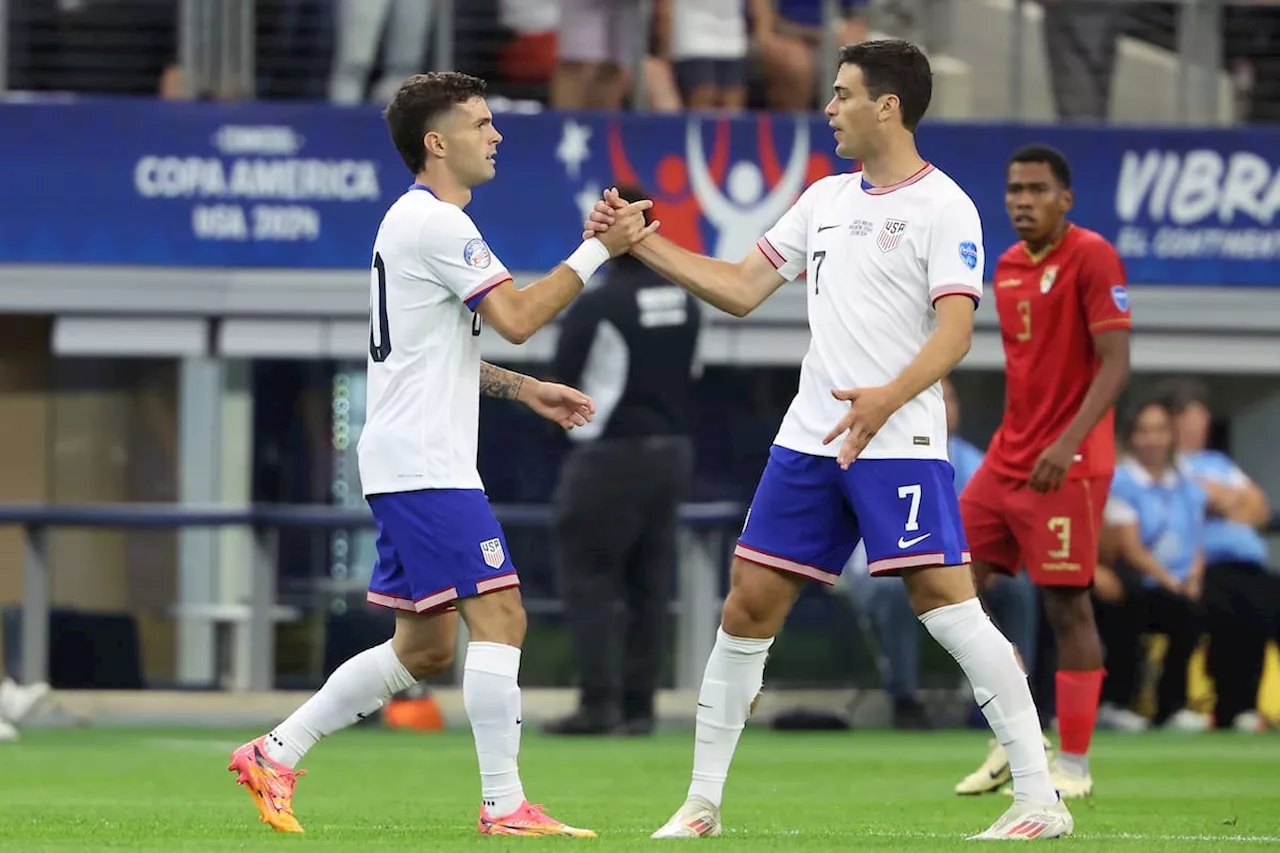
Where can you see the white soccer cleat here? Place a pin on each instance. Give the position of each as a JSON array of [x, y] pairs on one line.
[[1121, 719], [1027, 822], [8, 733], [1188, 720], [697, 818], [1069, 783], [993, 772], [17, 702]]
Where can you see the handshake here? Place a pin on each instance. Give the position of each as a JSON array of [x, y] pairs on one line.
[[617, 223]]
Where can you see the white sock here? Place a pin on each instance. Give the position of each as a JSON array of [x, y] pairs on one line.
[[1000, 688], [491, 695], [730, 684], [355, 690]]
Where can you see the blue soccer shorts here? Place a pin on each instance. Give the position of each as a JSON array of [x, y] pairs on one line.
[[436, 546], [808, 515]]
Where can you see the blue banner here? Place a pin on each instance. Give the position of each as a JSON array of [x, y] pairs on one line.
[[304, 186]]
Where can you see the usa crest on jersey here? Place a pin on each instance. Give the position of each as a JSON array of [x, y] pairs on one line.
[[491, 550], [891, 234]]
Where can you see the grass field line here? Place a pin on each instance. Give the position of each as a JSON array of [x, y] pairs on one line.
[[1099, 836], [922, 835]]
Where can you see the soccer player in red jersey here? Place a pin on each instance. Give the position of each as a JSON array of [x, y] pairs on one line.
[[1037, 500]]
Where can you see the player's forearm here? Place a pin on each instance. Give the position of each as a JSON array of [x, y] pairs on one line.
[[945, 349], [542, 301], [716, 282], [1107, 386], [502, 383]]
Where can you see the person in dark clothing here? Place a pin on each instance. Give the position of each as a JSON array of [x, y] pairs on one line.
[[630, 343]]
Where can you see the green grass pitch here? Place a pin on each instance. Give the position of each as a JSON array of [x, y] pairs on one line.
[[370, 790]]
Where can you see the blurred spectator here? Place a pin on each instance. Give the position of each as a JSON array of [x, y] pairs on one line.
[[630, 343], [598, 42], [400, 27], [530, 55], [1240, 592], [106, 47], [884, 604], [1080, 39], [790, 56], [1157, 518], [708, 44]]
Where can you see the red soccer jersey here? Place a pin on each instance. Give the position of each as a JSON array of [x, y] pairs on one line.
[[1050, 307]]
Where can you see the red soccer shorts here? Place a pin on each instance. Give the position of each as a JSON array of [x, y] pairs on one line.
[[1053, 535]]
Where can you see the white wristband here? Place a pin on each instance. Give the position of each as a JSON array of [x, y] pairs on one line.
[[587, 258]]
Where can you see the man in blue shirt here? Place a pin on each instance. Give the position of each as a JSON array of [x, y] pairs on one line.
[[1241, 594]]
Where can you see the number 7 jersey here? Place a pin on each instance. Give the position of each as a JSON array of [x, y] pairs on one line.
[[876, 260], [430, 270]]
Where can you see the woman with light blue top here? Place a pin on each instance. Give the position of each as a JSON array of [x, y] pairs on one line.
[[1156, 513], [1241, 593]]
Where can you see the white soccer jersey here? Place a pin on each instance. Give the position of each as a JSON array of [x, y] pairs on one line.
[[877, 259], [430, 270]]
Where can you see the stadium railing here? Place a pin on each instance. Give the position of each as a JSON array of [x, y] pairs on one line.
[[703, 547]]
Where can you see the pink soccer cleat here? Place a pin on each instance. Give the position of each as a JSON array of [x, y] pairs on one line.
[[527, 820], [270, 784]]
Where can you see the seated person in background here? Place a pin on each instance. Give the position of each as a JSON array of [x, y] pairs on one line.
[[885, 603], [1241, 594], [1157, 518], [708, 42], [790, 55]]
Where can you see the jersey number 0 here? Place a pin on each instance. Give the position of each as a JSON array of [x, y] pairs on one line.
[[380, 332]]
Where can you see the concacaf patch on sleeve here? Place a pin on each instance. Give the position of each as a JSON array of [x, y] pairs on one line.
[[476, 253], [969, 253], [1120, 296]]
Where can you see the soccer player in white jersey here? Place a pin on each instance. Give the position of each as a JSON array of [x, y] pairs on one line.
[[893, 256], [440, 549]]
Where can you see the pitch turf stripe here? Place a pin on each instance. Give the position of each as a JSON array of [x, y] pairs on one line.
[[1108, 836], [1085, 836]]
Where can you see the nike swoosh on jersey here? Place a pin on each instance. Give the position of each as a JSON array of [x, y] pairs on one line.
[[822, 228], [903, 542]]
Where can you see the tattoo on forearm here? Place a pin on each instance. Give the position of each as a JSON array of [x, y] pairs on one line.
[[500, 383]]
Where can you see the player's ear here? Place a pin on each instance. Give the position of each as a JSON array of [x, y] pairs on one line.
[[889, 104], [433, 142], [1068, 199]]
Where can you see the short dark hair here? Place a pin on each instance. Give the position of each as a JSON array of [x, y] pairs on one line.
[[421, 100], [894, 67], [1038, 153], [1179, 394]]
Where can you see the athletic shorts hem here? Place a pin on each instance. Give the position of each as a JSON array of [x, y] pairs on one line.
[[937, 559], [422, 605], [443, 600], [782, 564]]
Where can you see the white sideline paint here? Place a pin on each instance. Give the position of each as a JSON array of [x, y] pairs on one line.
[[944, 836]]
